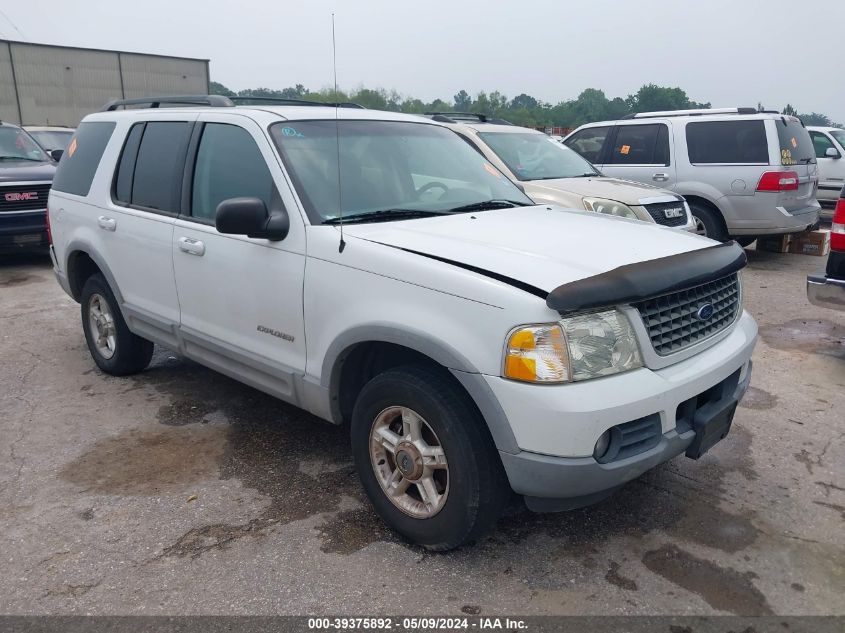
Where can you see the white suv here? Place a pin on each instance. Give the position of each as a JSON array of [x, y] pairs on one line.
[[744, 173], [373, 269]]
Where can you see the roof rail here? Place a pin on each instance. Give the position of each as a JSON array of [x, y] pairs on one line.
[[215, 101], [294, 102], [455, 117], [697, 112]]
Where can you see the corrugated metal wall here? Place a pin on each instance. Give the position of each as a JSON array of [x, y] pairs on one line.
[[51, 85]]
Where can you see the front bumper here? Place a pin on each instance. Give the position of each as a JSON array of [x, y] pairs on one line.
[[23, 230], [826, 292], [556, 427]]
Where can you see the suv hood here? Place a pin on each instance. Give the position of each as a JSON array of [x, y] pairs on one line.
[[624, 191], [541, 246], [26, 170]]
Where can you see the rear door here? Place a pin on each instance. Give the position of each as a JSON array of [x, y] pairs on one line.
[[240, 297], [641, 152]]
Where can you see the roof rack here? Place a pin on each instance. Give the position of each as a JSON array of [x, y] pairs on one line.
[[294, 102], [455, 117], [697, 112], [215, 101]]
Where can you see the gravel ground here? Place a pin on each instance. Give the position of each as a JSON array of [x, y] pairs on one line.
[[179, 491]]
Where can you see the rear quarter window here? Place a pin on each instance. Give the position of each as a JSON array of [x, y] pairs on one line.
[[738, 142], [80, 161]]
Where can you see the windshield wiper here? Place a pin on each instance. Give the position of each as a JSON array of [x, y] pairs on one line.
[[806, 161], [37, 160], [383, 215], [488, 204]]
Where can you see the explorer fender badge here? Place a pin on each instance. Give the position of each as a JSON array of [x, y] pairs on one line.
[[266, 330]]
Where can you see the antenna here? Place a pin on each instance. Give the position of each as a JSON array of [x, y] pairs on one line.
[[342, 244]]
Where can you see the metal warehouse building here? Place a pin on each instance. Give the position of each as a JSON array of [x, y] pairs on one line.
[[58, 85]]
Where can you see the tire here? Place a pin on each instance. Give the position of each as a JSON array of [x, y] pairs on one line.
[[709, 222], [115, 349], [745, 240], [474, 486]]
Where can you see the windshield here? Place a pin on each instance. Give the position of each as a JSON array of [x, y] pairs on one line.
[[386, 166], [839, 135], [52, 139], [795, 144], [15, 143], [536, 156]]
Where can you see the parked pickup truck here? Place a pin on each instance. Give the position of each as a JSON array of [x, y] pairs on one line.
[[375, 270]]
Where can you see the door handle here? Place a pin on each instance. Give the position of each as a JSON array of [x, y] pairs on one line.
[[108, 224], [191, 246], [660, 177]]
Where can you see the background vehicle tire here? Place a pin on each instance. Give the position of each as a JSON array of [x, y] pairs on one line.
[[473, 486], [113, 347], [708, 222], [745, 240]]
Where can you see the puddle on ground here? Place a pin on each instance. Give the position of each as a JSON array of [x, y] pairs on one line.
[[816, 336], [722, 588], [18, 279], [758, 399]]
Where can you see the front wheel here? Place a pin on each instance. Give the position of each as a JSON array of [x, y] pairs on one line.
[[745, 240], [113, 347], [708, 222], [425, 459]]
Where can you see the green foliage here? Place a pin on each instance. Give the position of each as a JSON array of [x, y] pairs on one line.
[[591, 105]]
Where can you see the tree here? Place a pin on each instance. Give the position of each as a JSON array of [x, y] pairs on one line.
[[653, 98], [463, 102], [216, 88], [789, 110]]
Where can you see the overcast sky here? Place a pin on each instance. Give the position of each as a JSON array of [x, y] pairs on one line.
[[728, 52]]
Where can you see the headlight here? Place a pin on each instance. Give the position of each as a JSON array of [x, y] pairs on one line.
[[577, 348], [609, 207]]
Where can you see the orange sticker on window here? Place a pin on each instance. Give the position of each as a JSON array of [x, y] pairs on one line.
[[71, 148], [794, 142], [625, 149], [492, 170]]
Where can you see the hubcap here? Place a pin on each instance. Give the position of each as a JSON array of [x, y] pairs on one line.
[[101, 326], [409, 462], [700, 229]]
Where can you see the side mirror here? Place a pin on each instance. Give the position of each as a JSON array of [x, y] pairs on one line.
[[56, 154], [249, 216], [831, 152]]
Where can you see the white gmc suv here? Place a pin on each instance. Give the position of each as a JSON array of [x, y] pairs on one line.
[[375, 270]]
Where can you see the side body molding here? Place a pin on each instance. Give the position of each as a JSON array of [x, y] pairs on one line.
[[644, 280]]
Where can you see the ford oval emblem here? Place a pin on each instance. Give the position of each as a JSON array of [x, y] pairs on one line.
[[705, 312]]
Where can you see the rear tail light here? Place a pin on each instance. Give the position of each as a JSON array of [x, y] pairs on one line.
[[778, 181], [49, 232], [837, 229]]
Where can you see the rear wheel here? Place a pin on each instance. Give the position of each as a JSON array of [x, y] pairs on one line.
[[113, 347], [708, 222], [425, 459]]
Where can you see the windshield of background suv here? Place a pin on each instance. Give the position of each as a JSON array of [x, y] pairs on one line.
[[16, 144], [796, 147], [839, 135], [52, 139], [386, 166], [537, 156]]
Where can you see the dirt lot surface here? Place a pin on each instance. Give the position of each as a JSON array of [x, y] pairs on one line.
[[179, 491]]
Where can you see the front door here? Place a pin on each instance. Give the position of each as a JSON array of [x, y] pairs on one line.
[[240, 298]]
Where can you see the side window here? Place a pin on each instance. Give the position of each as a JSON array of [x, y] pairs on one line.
[[152, 164], [821, 143], [737, 142], [589, 142], [79, 163], [640, 145], [228, 165]]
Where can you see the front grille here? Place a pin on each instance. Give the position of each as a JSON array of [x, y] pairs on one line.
[[673, 321], [658, 213], [23, 197]]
